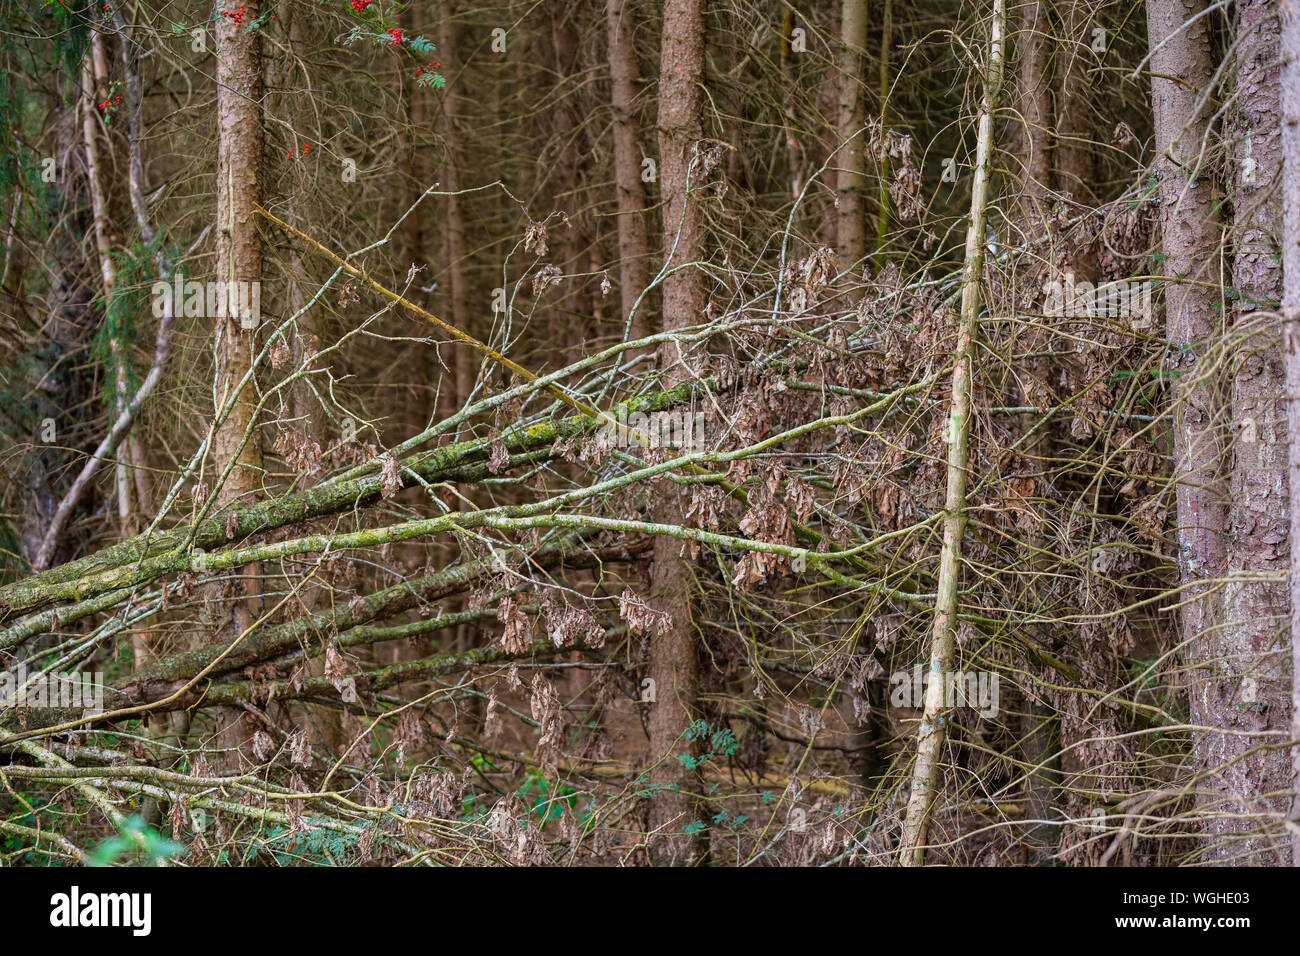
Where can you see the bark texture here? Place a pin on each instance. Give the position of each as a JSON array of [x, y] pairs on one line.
[[633, 245], [1289, 15], [674, 655], [1034, 104], [239, 244], [1182, 67], [239, 259], [851, 226], [1254, 699]]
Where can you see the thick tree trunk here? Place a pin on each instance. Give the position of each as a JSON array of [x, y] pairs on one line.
[[633, 247], [1034, 104], [1290, 98], [239, 246], [1253, 694], [1182, 68], [239, 259], [674, 655]]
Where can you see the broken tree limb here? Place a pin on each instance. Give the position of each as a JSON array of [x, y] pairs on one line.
[[62, 583]]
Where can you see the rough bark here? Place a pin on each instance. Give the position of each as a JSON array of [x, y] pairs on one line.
[[239, 244], [1034, 105], [674, 655], [239, 259], [1253, 694], [851, 227], [633, 246], [1181, 69], [1289, 11]]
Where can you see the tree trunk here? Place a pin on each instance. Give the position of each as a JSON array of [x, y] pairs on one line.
[[933, 730], [851, 227], [1253, 690], [883, 171], [674, 655], [464, 361], [1290, 23], [794, 152], [1181, 69], [1033, 91], [1073, 126], [1033, 84], [420, 408], [239, 246], [95, 80], [633, 247], [573, 320], [239, 259]]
